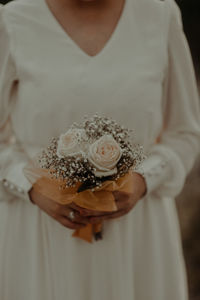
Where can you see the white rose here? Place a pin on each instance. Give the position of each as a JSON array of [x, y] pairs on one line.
[[104, 154], [69, 143]]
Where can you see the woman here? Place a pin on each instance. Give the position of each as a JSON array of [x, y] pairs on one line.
[[60, 60]]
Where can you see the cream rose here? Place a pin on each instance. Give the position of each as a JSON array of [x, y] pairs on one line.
[[69, 143], [104, 154]]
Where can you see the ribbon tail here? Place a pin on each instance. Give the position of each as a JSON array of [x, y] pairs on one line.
[[85, 233]]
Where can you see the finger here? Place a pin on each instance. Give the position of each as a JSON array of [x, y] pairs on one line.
[[59, 216], [121, 205], [69, 224], [74, 206], [77, 218], [82, 211], [65, 210], [114, 215], [121, 196], [87, 212], [122, 201], [64, 220]]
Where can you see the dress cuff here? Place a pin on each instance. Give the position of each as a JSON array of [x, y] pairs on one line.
[[16, 183], [155, 170]]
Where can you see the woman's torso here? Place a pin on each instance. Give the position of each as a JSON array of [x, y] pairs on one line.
[[59, 83]]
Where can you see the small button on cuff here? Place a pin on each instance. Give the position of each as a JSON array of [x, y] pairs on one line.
[[5, 183], [12, 187], [20, 190]]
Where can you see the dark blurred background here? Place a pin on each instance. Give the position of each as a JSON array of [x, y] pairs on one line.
[[188, 202]]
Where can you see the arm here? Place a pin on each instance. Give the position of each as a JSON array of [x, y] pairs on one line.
[[171, 159], [12, 157]]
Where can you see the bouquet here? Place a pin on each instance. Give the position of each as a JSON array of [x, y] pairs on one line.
[[85, 165]]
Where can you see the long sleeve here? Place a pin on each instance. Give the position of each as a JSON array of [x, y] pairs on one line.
[[12, 157], [171, 159]]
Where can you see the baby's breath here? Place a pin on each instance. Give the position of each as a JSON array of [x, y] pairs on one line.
[[77, 168]]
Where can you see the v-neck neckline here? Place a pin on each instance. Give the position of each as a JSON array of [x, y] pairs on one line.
[[73, 42]]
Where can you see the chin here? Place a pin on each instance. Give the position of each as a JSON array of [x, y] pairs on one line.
[[88, 0]]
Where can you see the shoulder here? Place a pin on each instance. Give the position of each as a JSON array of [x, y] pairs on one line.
[[4, 29], [153, 13], [18, 11], [169, 7], [22, 19], [175, 13], [6, 42], [152, 10], [166, 3], [162, 13], [7, 20], [172, 9]]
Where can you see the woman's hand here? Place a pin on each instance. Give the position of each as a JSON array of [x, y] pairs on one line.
[[124, 201], [83, 216], [57, 211]]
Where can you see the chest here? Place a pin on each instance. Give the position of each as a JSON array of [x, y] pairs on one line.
[[65, 87]]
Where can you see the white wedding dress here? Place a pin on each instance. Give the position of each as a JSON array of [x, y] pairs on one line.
[[144, 79]]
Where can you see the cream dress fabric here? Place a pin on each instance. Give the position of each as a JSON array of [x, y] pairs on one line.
[[144, 79]]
